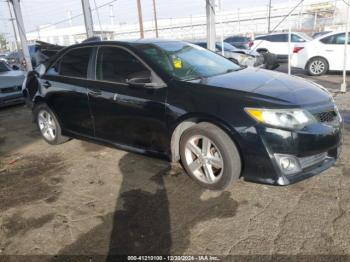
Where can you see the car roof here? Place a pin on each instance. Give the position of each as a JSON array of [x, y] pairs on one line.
[[279, 33], [332, 33]]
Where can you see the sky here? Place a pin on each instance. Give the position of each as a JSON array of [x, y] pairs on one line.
[[38, 13]]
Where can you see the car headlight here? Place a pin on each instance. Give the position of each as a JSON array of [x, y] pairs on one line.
[[284, 118]]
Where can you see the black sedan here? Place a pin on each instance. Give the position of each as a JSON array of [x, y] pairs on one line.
[[182, 102]]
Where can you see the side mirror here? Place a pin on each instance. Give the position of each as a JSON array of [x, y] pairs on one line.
[[139, 81], [15, 67]]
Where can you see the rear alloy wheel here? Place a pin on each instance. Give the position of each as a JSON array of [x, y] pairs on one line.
[[317, 66], [209, 156], [48, 125]]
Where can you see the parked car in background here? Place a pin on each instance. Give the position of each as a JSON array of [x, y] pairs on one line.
[[10, 85], [322, 54], [15, 58], [241, 42], [3, 57], [179, 101], [239, 56], [318, 34], [244, 57], [277, 43]]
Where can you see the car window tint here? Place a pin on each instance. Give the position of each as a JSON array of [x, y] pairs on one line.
[[327, 40], [278, 38], [3, 67], [75, 63], [338, 39], [118, 65], [296, 39]]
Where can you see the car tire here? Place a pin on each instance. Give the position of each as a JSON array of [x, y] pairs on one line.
[[317, 66], [214, 167], [48, 125]]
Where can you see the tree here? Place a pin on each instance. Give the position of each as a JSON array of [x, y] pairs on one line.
[[3, 42]]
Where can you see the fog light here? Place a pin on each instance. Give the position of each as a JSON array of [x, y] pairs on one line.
[[288, 164]]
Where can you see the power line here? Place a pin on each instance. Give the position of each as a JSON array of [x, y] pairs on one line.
[[73, 17]]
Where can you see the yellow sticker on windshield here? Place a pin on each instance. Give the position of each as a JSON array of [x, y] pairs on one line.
[[177, 63]]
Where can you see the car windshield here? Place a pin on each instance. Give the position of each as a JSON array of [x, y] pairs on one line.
[[185, 61], [227, 47]]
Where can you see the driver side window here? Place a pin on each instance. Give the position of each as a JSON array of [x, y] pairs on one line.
[[117, 65]]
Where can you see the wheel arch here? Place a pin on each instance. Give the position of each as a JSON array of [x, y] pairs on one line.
[[190, 120]]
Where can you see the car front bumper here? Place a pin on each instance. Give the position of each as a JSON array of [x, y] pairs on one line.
[[8, 99], [264, 143]]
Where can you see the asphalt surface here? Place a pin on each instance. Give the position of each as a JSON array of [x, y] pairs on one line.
[[87, 199]]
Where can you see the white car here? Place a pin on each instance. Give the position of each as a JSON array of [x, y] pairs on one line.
[[277, 43], [322, 54]]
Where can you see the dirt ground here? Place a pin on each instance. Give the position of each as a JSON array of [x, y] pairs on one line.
[[82, 198]]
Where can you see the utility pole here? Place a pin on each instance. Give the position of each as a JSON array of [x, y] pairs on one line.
[[22, 33], [155, 17], [69, 14], [211, 34], [139, 10], [89, 25], [269, 19], [13, 26], [111, 14], [343, 85]]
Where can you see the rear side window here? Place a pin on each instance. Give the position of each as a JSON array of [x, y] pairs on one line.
[[338, 39], [296, 39], [277, 38], [75, 63], [118, 65]]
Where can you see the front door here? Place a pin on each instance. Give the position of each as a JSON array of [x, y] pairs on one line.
[[125, 111]]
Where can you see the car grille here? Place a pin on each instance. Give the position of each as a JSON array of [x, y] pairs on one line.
[[10, 89], [326, 117]]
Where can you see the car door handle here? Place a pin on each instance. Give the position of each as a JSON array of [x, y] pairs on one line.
[[46, 84], [116, 97], [95, 92]]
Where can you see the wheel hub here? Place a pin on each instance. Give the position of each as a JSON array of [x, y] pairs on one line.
[[204, 159]]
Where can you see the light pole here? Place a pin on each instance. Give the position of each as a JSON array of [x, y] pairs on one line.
[[343, 85], [22, 33]]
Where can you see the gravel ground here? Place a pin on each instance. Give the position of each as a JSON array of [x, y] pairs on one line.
[[83, 198]]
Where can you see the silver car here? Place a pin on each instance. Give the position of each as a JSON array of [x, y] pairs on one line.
[[10, 85]]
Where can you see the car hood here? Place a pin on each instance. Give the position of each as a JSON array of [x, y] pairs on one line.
[[278, 86], [11, 78]]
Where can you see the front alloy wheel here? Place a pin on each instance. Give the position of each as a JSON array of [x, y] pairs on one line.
[[204, 159], [209, 156]]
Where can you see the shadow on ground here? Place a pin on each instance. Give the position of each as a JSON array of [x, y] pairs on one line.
[[154, 218]]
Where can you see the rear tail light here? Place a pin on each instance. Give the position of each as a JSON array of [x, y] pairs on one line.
[[251, 43], [297, 49]]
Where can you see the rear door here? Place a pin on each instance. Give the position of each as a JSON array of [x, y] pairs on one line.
[[65, 86], [332, 48], [125, 111]]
